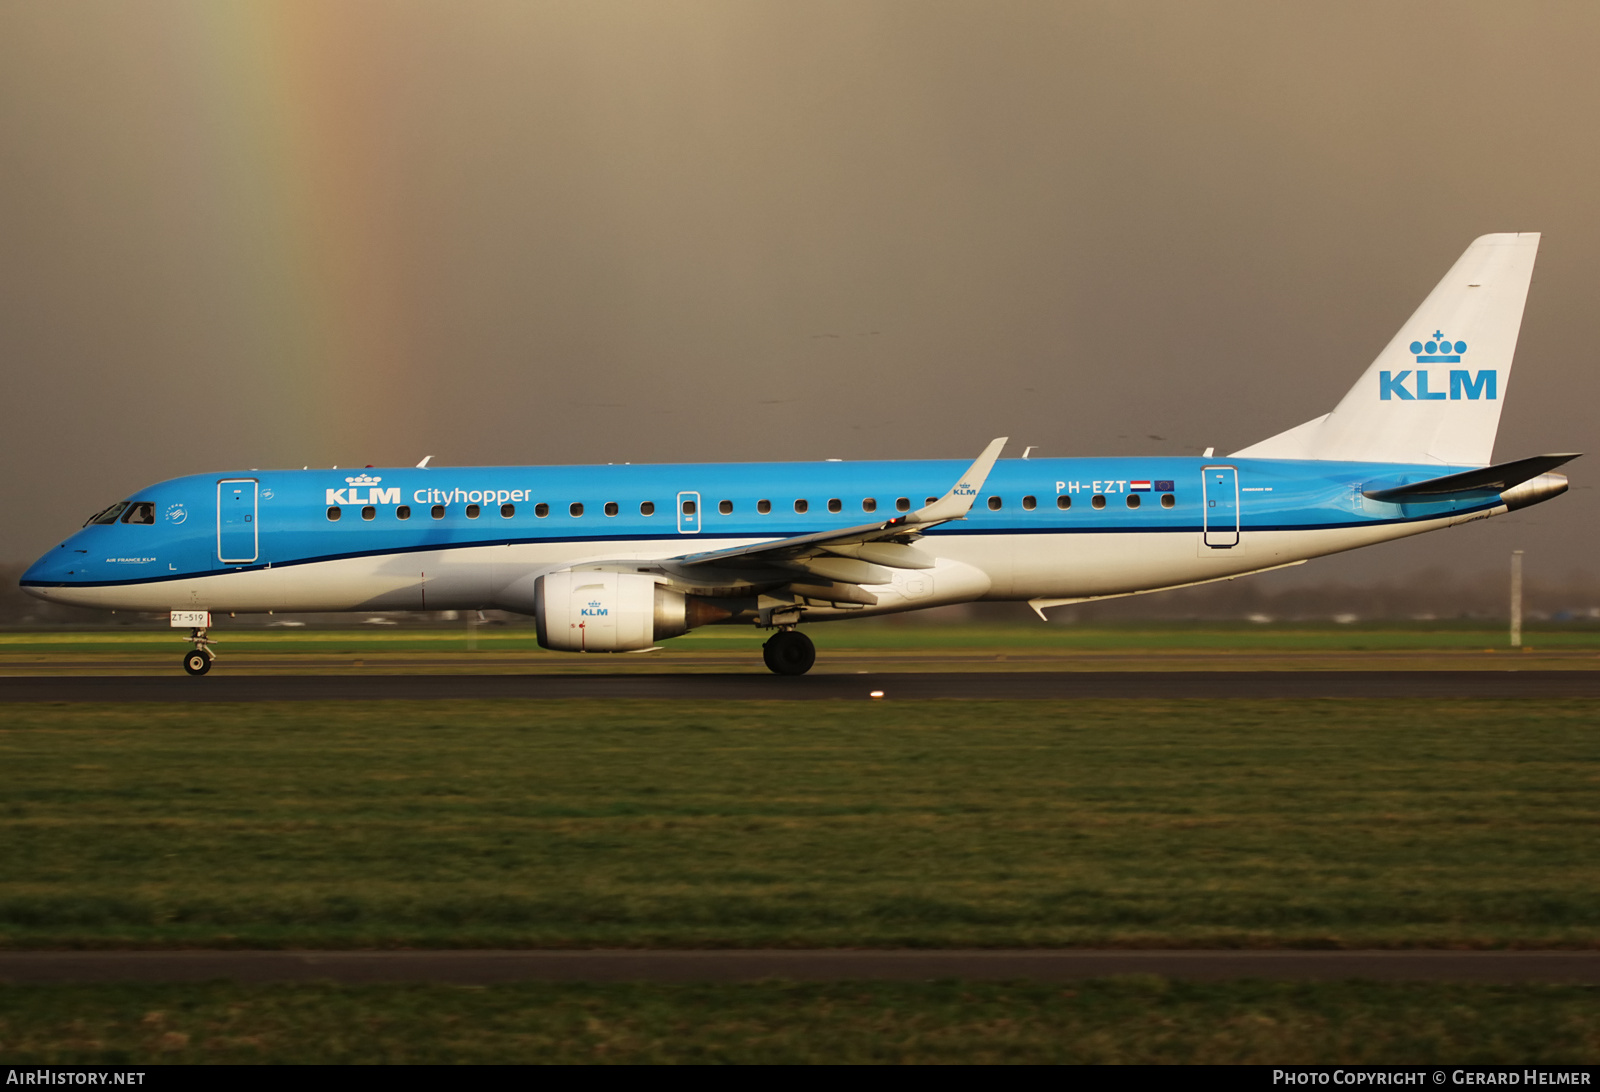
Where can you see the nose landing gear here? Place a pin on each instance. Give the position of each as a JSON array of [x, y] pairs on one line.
[[197, 661], [789, 652]]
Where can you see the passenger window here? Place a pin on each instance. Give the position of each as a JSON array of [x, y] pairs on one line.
[[334, 513], [507, 511], [688, 507], [1133, 500], [1063, 502], [141, 512], [994, 504], [472, 511], [368, 512], [903, 504], [930, 500], [403, 512], [1168, 500], [648, 508], [801, 506], [1029, 504], [438, 511], [1097, 501], [835, 505], [870, 504], [611, 508], [725, 507], [576, 508], [541, 510], [763, 506]]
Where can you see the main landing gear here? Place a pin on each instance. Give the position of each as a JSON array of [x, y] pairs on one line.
[[789, 652], [197, 661]]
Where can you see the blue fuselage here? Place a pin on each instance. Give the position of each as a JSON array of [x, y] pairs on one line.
[[205, 525]]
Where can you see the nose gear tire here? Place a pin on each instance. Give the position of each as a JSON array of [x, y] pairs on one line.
[[196, 662]]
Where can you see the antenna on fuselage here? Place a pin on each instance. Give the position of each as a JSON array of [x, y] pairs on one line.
[[424, 461]]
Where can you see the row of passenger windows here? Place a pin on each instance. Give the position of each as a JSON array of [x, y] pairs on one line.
[[648, 508]]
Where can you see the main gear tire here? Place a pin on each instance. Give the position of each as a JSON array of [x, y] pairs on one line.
[[789, 652]]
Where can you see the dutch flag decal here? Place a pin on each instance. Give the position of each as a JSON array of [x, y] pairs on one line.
[[1139, 487]]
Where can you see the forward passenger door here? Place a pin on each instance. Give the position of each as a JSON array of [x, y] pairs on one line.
[[238, 526]]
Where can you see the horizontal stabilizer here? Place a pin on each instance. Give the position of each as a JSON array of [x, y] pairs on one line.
[[1487, 480]]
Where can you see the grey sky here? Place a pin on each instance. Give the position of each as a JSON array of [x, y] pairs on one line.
[[250, 235]]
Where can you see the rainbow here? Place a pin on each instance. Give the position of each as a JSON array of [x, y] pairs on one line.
[[284, 144]]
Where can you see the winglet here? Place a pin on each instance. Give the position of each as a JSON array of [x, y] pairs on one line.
[[958, 501]]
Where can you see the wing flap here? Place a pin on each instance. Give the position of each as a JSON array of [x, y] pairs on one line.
[[848, 569], [834, 592], [895, 555]]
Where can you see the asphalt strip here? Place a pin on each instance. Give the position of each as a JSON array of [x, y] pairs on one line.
[[888, 686], [484, 968]]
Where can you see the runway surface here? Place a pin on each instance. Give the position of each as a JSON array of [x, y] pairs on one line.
[[480, 968], [1062, 685]]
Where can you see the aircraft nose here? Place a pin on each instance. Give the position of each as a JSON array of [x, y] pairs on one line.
[[50, 569]]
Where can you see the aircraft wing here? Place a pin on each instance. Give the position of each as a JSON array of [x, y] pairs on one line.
[[831, 566], [955, 504], [826, 567]]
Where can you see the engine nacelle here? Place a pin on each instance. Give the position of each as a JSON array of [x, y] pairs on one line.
[[605, 612]]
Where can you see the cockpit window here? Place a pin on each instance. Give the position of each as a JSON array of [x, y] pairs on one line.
[[140, 512], [107, 515]]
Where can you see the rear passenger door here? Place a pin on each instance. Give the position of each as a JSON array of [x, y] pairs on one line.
[[1221, 512]]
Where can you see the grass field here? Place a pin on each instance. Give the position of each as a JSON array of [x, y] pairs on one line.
[[1128, 1020], [1237, 823]]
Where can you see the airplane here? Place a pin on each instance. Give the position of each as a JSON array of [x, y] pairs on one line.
[[610, 559]]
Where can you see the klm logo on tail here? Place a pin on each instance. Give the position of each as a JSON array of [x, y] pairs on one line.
[[1438, 350]]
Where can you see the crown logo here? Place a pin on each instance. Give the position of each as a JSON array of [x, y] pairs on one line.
[[1438, 350], [594, 602], [363, 479]]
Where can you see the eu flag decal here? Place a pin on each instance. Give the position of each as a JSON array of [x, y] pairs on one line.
[[1164, 487]]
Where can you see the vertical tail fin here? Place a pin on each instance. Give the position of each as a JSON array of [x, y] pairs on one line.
[[1434, 393]]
